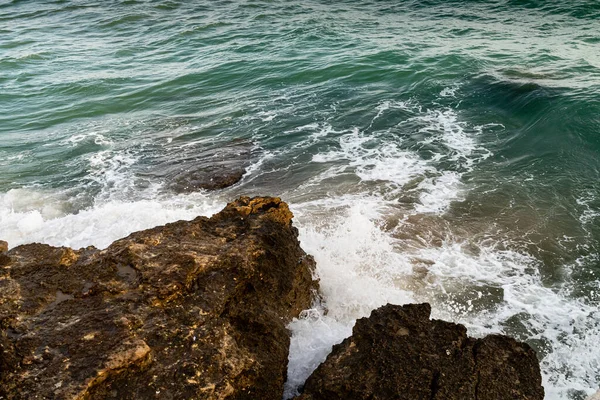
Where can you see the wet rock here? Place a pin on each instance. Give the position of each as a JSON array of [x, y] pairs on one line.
[[212, 167], [399, 353], [189, 310], [208, 178]]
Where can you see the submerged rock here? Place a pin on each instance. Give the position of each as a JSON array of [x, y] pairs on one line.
[[399, 353], [188, 310], [209, 179], [211, 167]]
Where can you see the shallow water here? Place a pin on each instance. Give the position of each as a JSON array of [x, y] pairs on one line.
[[431, 151]]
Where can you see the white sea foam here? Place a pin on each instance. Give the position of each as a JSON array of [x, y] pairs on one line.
[[267, 116], [358, 262], [390, 163], [46, 216], [444, 125], [380, 156], [316, 131], [356, 259], [384, 162], [449, 91], [358, 270], [111, 170], [392, 105], [24, 220], [313, 336], [590, 213], [97, 138], [437, 193]]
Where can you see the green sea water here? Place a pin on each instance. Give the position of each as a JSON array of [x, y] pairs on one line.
[[440, 151]]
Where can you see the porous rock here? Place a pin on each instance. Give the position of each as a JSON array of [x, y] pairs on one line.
[[189, 310], [399, 353]]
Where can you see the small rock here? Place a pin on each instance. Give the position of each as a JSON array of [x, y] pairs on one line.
[[3, 246]]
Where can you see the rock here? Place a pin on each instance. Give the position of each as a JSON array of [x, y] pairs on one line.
[[189, 310], [3, 246], [399, 353], [210, 167]]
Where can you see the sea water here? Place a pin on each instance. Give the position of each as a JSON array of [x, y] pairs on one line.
[[432, 151]]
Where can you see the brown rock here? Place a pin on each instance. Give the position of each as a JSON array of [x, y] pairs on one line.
[[399, 353], [3, 246], [189, 310]]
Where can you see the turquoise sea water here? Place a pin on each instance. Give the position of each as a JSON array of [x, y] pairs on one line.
[[440, 151]]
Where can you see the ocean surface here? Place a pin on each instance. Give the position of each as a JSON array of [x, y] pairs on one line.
[[431, 151]]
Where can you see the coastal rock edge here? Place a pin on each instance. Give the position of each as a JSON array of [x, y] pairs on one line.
[[192, 309]]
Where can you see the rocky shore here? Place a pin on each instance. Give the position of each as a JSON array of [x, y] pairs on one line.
[[198, 310]]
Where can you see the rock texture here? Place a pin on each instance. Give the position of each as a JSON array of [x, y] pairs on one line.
[[190, 310], [399, 353]]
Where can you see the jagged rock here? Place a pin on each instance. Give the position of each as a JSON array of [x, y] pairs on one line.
[[399, 353], [189, 310]]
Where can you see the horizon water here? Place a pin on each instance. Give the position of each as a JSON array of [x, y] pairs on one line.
[[431, 151]]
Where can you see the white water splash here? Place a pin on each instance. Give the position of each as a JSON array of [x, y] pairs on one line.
[[27, 216]]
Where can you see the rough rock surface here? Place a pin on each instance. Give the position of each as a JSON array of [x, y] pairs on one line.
[[190, 310], [399, 353]]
